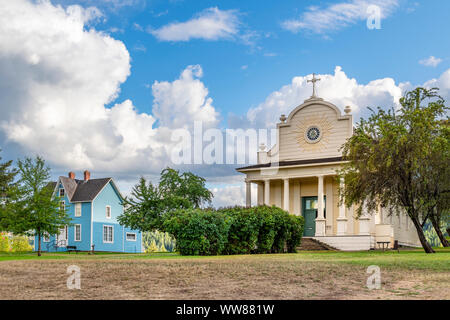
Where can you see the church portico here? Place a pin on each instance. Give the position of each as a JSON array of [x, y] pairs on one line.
[[298, 193], [299, 175]]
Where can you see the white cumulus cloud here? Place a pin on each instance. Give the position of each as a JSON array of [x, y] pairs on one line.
[[337, 88], [232, 195], [57, 78], [210, 24], [337, 16], [431, 61], [186, 96]]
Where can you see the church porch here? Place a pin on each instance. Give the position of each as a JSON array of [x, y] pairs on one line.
[[326, 220]]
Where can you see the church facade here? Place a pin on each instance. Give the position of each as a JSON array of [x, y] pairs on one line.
[[299, 175]]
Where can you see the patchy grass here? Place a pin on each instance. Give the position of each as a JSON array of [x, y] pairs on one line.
[[405, 259], [306, 275]]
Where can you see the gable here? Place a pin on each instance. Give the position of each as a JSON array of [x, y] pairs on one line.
[[108, 197], [69, 185], [313, 130]]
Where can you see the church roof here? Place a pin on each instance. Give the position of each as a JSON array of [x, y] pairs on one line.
[[291, 163]]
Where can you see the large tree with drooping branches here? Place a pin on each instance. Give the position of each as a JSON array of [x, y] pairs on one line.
[[399, 159]]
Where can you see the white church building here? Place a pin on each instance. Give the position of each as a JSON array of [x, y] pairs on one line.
[[298, 174]]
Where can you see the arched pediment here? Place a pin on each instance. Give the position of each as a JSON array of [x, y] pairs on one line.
[[314, 129], [312, 102]]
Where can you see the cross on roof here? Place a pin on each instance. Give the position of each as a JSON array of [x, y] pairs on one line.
[[314, 80]]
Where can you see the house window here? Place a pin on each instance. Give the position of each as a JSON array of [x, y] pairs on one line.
[[46, 237], [108, 212], [66, 230], [78, 210], [108, 234], [78, 232], [62, 206], [61, 192], [131, 236]]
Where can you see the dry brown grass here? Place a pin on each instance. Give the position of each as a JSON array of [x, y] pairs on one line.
[[239, 278]]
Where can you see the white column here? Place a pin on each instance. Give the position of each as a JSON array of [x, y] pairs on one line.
[[286, 195], [248, 198], [364, 220], [267, 192], [342, 219], [329, 205], [297, 199], [320, 221], [320, 199], [260, 193], [378, 215]]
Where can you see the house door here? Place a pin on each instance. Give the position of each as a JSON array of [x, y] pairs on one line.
[[309, 212], [62, 237]]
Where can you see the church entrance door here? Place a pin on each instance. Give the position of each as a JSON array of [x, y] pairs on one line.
[[309, 212]]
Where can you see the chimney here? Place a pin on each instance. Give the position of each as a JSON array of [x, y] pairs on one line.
[[72, 175], [87, 175]]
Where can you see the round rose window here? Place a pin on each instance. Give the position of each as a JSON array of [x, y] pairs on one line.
[[313, 134]]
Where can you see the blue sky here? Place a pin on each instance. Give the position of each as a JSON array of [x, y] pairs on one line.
[[103, 84], [413, 32]]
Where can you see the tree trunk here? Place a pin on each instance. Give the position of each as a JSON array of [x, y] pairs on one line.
[[423, 240], [437, 228], [39, 245]]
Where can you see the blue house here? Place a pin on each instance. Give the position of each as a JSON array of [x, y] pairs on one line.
[[93, 205]]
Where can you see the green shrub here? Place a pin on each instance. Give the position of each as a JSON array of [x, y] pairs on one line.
[[20, 244], [198, 232], [282, 228], [267, 231], [234, 230], [4, 243], [295, 229], [243, 232]]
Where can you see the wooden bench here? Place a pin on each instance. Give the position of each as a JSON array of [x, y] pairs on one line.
[[385, 244], [72, 248]]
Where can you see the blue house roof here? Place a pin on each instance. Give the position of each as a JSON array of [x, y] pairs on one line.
[[84, 190]]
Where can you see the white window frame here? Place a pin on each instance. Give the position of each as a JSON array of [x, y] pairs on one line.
[[77, 207], [131, 233], [66, 230], [45, 237], [112, 233], [75, 233], [64, 191], [106, 212]]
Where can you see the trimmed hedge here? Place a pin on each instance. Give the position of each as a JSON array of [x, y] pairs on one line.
[[234, 230], [198, 232]]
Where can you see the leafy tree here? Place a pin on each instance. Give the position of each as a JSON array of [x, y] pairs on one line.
[[36, 211], [143, 210], [436, 174], [148, 204], [7, 176], [183, 190], [388, 157]]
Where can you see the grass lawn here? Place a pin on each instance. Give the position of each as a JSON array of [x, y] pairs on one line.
[[409, 274]]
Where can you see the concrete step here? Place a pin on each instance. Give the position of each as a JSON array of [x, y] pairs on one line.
[[309, 244], [346, 243]]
